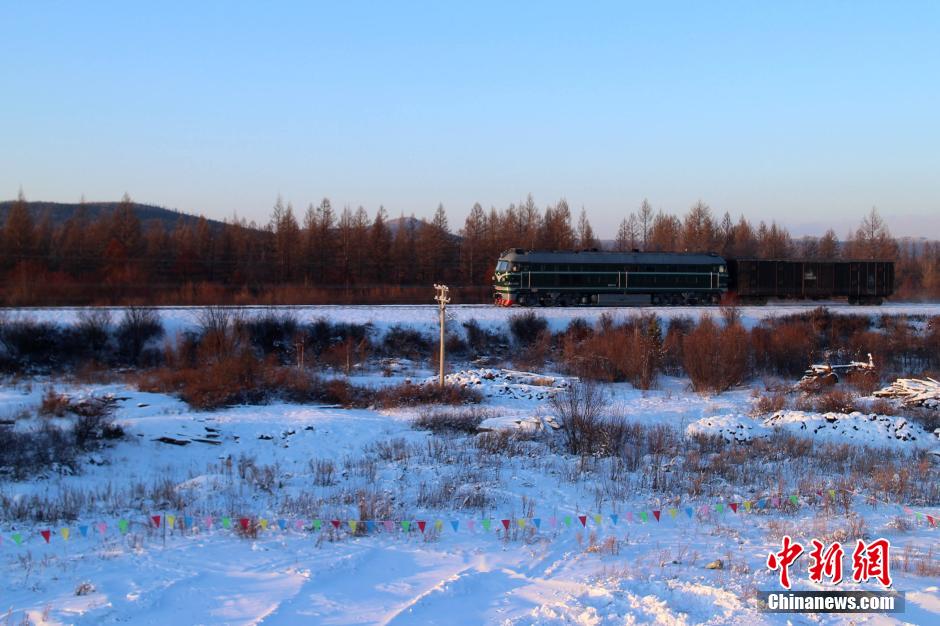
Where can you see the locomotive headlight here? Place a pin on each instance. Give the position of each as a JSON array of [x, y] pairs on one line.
[[721, 269]]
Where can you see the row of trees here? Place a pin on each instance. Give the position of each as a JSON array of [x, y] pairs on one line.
[[324, 248]]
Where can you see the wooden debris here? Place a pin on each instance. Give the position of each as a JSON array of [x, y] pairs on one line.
[[823, 375], [913, 392], [172, 441]]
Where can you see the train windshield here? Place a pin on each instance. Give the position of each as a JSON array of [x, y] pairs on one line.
[[502, 266]]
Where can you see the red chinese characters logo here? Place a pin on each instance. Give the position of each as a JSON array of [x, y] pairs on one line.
[[826, 562], [784, 559], [872, 561], [869, 561]]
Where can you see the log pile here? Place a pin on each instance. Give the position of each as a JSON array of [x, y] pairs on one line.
[[913, 392]]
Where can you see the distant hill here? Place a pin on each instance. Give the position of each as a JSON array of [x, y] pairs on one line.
[[60, 212]]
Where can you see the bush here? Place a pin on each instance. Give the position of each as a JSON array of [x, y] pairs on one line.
[[272, 332], [407, 343], [483, 341], [715, 358], [578, 411], [409, 394], [835, 401], [30, 344], [527, 327], [93, 333], [632, 351], [137, 328], [451, 421]]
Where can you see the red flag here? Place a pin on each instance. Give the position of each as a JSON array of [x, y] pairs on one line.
[[656, 515], [734, 506], [506, 524], [244, 522], [583, 519], [156, 520], [932, 520], [335, 523], [45, 535], [421, 525]]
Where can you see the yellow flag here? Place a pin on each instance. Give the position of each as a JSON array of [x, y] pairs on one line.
[[65, 533], [352, 525], [521, 522], [597, 519], [672, 513], [263, 523], [170, 519]]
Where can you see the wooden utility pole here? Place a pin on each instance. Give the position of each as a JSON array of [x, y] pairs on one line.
[[442, 299]]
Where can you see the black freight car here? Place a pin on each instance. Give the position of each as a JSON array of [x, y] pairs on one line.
[[860, 281]]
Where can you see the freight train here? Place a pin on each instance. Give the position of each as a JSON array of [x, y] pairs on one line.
[[593, 277]]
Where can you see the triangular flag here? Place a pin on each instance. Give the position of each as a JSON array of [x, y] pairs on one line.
[[486, 524], [630, 516], [244, 523], [122, 526], [282, 524], [170, 520], [931, 519], [567, 521], [438, 525], [17, 538], [226, 522], [335, 523], [389, 525], [918, 515], [454, 524], [405, 525], [689, 511], [734, 507], [643, 516], [83, 530], [597, 518], [352, 525], [188, 521], [747, 506], [65, 532], [156, 520], [317, 524], [832, 494], [505, 523], [370, 526], [583, 520], [614, 518], [263, 523], [102, 527], [421, 525], [209, 521], [538, 522], [762, 503], [299, 524], [521, 522], [672, 513], [720, 507], [656, 515], [776, 502], [553, 521], [795, 499], [470, 525], [45, 535]]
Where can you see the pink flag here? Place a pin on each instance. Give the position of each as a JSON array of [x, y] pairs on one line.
[[470, 525], [553, 522], [102, 527], [389, 525]]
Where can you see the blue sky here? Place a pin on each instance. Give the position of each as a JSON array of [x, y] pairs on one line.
[[807, 113]]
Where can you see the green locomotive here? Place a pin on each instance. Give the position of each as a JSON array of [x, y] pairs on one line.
[[592, 277]]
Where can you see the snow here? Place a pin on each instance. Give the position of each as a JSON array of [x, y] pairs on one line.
[[425, 317], [654, 573], [853, 428]]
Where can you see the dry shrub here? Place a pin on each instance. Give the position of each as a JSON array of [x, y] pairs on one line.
[[632, 351], [715, 358], [483, 341], [138, 327], [409, 394], [527, 327], [534, 355], [451, 420], [53, 403], [679, 328], [764, 404], [863, 381], [835, 401], [585, 432], [408, 343], [783, 347]]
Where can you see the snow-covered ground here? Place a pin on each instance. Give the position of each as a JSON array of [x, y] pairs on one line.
[[301, 467], [425, 317]]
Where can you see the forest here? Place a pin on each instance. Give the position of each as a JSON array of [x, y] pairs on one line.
[[327, 255]]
